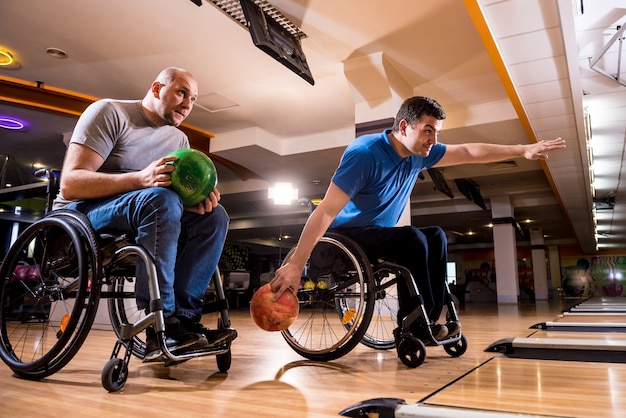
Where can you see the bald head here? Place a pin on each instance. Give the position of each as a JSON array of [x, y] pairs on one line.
[[171, 97]]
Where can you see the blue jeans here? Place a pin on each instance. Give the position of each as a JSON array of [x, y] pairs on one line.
[[185, 246]]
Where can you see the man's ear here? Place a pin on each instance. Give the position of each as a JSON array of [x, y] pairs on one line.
[[156, 89], [402, 127]]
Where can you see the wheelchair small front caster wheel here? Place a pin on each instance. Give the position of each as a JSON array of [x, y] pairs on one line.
[[114, 374], [458, 348], [411, 351], [223, 361]]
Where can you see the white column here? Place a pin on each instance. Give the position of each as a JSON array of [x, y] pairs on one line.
[[555, 267], [540, 273], [505, 248], [405, 218]]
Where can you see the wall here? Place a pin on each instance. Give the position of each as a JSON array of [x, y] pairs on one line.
[[599, 275]]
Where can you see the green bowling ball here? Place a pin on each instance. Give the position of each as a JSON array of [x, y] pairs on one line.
[[195, 175]]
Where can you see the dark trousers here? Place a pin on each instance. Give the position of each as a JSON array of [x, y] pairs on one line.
[[424, 251]]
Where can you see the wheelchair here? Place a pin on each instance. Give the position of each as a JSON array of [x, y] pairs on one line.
[[346, 299], [53, 278]]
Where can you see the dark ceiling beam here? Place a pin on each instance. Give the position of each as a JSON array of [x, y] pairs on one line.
[[39, 96]]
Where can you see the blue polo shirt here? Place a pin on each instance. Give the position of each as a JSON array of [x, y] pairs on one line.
[[377, 180]]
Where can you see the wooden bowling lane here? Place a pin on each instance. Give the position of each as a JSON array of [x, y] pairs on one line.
[[560, 370], [600, 309], [585, 323], [592, 318], [599, 314], [571, 346], [550, 373], [604, 300], [537, 387], [606, 305], [616, 338]]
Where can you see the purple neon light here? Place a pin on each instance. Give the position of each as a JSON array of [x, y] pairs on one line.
[[11, 123]]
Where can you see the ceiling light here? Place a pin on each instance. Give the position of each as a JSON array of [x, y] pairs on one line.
[[282, 193], [233, 9], [11, 123], [56, 53], [6, 58]]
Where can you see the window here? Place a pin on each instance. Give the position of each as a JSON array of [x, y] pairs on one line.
[[451, 269]]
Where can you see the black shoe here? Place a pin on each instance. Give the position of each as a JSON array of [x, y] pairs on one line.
[[153, 348], [454, 328], [215, 337], [175, 329], [439, 331], [220, 337], [177, 338]]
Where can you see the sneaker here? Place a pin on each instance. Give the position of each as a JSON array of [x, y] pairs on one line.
[[215, 337], [177, 338], [153, 348], [454, 328], [439, 331], [219, 337]]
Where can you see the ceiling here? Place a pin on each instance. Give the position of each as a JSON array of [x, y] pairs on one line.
[[506, 71]]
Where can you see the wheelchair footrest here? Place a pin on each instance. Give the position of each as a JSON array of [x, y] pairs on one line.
[[183, 357]]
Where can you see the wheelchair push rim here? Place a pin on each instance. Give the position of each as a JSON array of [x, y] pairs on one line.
[[48, 296], [335, 304]]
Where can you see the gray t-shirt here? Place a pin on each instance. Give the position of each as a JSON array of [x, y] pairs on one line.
[[120, 132]]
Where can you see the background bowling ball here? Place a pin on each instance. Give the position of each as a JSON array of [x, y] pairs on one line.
[[575, 286]]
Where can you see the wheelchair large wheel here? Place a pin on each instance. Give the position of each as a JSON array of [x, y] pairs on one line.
[[123, 310], [336, 301], [379, 334], [48, 295]]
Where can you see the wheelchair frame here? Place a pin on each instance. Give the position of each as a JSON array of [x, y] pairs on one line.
[[51, 284], [346, 299]]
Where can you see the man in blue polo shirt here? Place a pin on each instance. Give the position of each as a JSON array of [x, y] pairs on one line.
[[372, 186]]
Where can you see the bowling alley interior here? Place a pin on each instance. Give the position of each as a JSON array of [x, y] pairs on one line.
[[534, 287]]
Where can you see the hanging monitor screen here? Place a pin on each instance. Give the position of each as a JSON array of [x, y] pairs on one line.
[[276, 41], [440, 182]]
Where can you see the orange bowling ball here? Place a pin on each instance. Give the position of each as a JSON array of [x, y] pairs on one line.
[[272, 315]]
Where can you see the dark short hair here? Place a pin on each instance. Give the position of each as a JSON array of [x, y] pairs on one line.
[[414, 108]]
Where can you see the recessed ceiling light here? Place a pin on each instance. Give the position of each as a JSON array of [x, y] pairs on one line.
[[56, 53]]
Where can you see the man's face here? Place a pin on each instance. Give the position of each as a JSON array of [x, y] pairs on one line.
[[176, 100], [420, 136]]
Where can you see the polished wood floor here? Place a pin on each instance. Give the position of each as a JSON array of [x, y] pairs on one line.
[[268, 379]]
